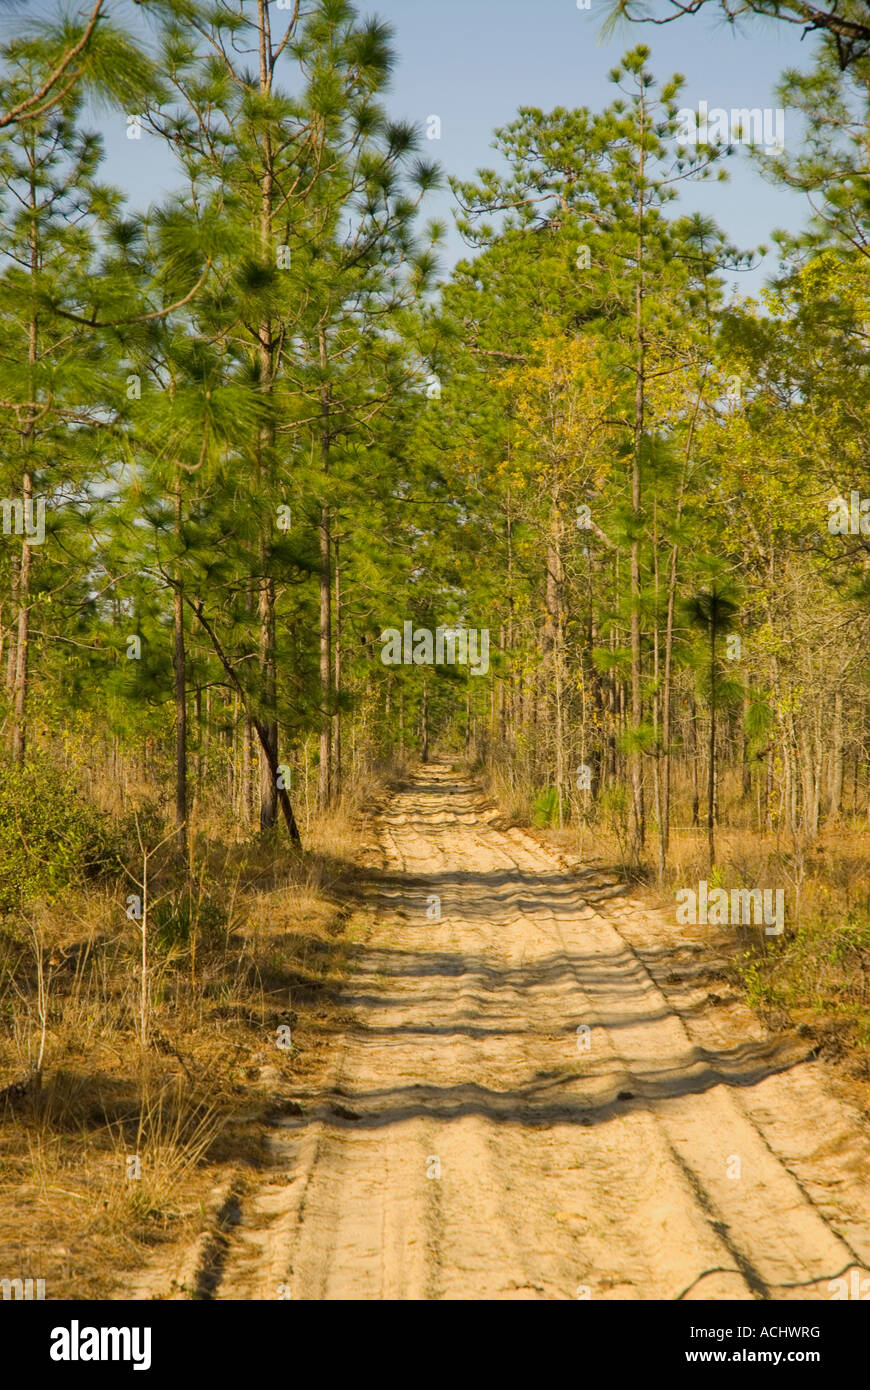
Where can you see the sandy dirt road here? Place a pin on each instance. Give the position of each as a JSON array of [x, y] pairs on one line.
[[472, 1144]]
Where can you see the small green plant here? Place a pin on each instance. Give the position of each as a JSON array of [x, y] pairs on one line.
[[545, 811], [760, 992], [180, 916]]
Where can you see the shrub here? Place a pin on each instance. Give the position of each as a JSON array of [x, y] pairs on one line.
[[545, 811], [50, 836], [173, 920]]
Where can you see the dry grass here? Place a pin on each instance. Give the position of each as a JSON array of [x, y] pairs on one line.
[[110, 1143]]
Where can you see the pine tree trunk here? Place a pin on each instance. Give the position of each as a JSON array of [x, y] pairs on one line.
[[197, 724], [325, 789], [325, 781], [745, 766], [638, 818], [658, 788], [266, 724], [206, 739], [180, 730], [711, 771], [336, 742], [665, 825], [502, 700], [11, 654], [22, 643], [246, 785], [560, 741]]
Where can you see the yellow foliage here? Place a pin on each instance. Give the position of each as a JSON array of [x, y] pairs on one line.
[[562, 402]]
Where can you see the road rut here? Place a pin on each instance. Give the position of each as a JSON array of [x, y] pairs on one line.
[[521, 1109]]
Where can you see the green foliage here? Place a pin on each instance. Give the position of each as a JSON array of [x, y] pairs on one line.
[[50, 837], [613, 803], [819, 968], [545, 811], [179, 917]]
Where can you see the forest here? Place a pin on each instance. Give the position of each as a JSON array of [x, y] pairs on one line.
[[288, 512]]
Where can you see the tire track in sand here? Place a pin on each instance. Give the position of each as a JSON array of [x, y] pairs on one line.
[[469, 1146]]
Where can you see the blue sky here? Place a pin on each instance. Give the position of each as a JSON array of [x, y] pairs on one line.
[[473, 62]]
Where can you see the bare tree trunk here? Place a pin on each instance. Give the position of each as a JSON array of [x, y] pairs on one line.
[[246, 784], [232, 737], [711, 772], [665, 824], [180, 718], [658, 785], [268, 721], [555, 624], [502, 729], [325, 781], [810, 786], [665, 817], [835, 766], [11, 654], [817, 766], [638, 816], [205, 737], [180, 662], [787, 799], [514, 702], [336, 742], [22, 642], [197, 736], [693, 756], [745, 768]]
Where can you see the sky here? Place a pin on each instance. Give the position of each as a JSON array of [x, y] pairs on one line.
[[474, 62]]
